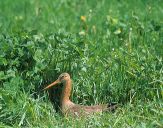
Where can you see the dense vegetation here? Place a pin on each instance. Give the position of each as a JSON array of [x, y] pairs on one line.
[[112, 49]]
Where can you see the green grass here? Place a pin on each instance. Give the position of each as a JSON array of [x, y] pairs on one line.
[[115, 55]]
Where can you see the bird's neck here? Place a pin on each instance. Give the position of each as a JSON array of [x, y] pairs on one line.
[[66, 91]]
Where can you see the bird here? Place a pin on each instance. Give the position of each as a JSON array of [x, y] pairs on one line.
[[68, 107]]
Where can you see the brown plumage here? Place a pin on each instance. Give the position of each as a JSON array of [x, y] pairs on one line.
[[70, 108]]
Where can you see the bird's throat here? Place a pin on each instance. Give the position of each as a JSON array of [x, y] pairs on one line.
[[66, 91]]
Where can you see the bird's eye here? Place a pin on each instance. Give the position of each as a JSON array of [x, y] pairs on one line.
[[62, 77]]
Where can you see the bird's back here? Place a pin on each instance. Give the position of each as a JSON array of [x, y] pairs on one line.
[[80, 110]]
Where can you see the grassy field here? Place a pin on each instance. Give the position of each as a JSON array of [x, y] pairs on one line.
[[113, 50]]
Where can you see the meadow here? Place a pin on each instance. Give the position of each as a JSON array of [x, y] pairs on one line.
[[113, 50]]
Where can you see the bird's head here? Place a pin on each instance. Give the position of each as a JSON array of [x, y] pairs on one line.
[[61, 79]]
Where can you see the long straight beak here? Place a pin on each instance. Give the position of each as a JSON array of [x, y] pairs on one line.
[[52, 84]]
